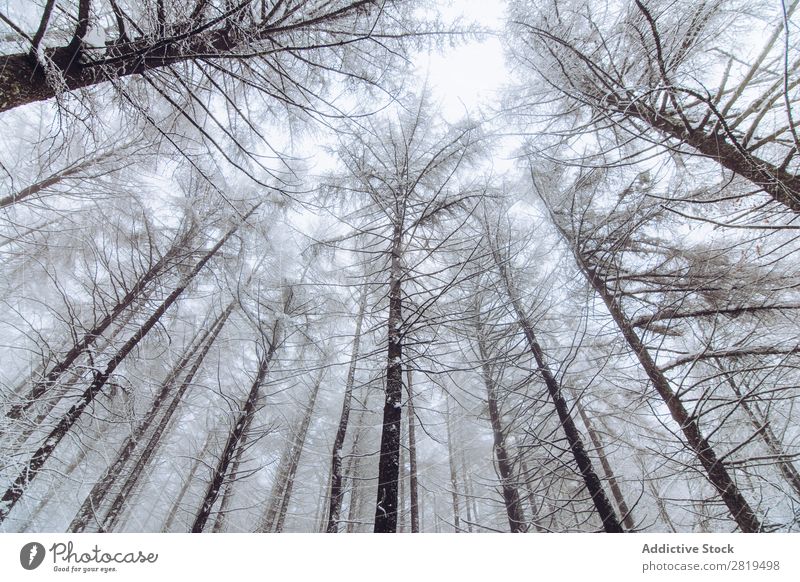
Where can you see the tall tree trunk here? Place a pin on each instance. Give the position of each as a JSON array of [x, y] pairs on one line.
[[297, 451], [453, 472], [412, 456], [353, 475], [336, 489], [34, 465], [469, 503], [389, 461], [505, 467], [91, 509], [238, 433], [715, 470], [593, 484], [613, 484]]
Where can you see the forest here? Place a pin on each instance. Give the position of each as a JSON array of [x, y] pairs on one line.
[[256, 277]]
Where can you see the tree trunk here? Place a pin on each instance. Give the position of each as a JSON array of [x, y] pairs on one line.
[[389, 462], [505, 468], [453, 473], [613, 484], [593, 484], [238, 433], [412, 456], [716, 472], [297, 451], [336, 486], [34, 465], [353, 475]]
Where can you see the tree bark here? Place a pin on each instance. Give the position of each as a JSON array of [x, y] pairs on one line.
[[593, 484], [238, 433], [336, 483], [389, 462], [715, 470], [413, 486]]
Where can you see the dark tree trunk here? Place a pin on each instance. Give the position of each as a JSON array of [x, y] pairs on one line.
[[237, 434], [389, 462], [593, 484], [505, 467], [412, 457], [336, 485]]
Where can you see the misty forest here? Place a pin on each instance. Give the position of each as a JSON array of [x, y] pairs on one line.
[[264, 269]]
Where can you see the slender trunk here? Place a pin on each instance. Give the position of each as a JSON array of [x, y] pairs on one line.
[[187, 483], [34, 465], [413, 486], [238, 433], [267, 523], [593, 484], [505, 468], [716, 471], [91, 509], [336, 488], [388, 464], [453, 473], [297, 451], [353, 475], [469, 502], [613, 484], [275, 515]]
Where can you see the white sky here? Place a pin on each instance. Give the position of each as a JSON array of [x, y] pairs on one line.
[[465, 77]]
